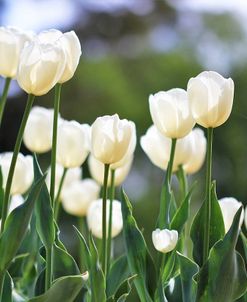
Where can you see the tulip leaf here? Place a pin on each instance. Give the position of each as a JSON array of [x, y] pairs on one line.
[[84, 249], [174, 290], [40, 283], [188, 269], [217, 228], [244, 240], [166, 200], [63, 289], [43, 211], [125, 288], [7, 288], [169, 260], [1, 192], [16, 226], [223, 277], [136, 249]]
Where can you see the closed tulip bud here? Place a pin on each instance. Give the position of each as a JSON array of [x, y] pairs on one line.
[[73, 143], [211, 98], [157, 147], [78, 196], [94, 218], [164, 240], [110, 138], [197, 153], [171, 113], [71, 46], [38, 131], [41, 67], [72, 175], [23, 174], [12, 41], [96, 169], [16, 201], [229, 207]]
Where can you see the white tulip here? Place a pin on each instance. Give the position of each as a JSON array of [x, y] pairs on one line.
[[164, 240], [96, 169], [94, 218], [12, 41], [171, 113], [38, 131], [211, 98], [229, 207], [72, 48], [73, 143], [41, 67], [72, 175], [16, 201], [78, 196], [110, 138], [23, 174], [196, 156], [157, 147]]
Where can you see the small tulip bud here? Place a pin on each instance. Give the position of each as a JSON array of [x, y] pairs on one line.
[[229, 207], [94, 218], [78, 196], [164, 240], [171, 113], [211, 98], [73, 143], [23, 174]]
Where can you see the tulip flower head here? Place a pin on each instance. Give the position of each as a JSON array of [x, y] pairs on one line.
[[229, 207], [94, 218], [211, 98], [171, 113], [110, 138], [38, 131], [164, 240], [78, 196]]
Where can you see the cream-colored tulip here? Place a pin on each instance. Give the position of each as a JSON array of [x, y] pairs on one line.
[[211, 98], [16, 201], [12, 40], [38, 131], [96, 169], [72, 175], [171, 113], [72, 48], [94, 218], [23, 174], [78, 196], [41, 67], [165, 240], [157, 147], [73, 143], [110, 138], [229, 207], [198, 144]]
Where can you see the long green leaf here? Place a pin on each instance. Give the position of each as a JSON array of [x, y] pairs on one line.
[[136, 250], [1, 192], [223, 277], [16, 226], [188, 269], [43, 211], [63, 289], [84, 249], [217, 228], [7, 288]]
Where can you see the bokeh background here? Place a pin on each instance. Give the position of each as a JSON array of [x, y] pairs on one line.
[[132, 48]]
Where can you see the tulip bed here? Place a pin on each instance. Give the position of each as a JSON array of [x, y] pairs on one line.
[[35, 265]]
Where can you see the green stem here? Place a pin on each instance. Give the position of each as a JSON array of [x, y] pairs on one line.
[[54, 141], [48, 270], [14, 159], [4, 98], [104, 246], [109, 238], [82, 224], [57, 202], [208, 193], [171, 160], [183, 182]]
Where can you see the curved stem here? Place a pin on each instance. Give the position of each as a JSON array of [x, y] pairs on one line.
[[14, 158], [57, 203], [54, 141], [104, 247], [4, 97], [171, 160], [208, 193], [48, 270], [109, 238]]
